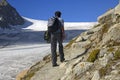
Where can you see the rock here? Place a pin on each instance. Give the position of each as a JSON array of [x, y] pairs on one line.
[[71, 66], [89, 32], [117, 9], [112, 77], [79, 39], [69, 69], [78, 60], [21, 74], [82, 67], [104, 60], [96, 76], [110, 16], [81, 44], [112, 38], [63, 65], [88, 73], [114, 72], [102, 52], [118, 64], [74, 71], [107, 17]]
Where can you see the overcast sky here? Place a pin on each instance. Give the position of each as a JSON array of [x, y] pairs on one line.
[[72, 10]]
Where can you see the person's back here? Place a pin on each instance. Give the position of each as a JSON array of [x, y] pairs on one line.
[[57, 36]]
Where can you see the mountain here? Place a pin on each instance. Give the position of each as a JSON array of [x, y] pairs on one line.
[[92, 55], [9, 15]]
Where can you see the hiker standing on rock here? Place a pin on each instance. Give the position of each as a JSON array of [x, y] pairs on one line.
[[56, 29]]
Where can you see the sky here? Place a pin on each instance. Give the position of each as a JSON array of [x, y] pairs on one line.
[[72, 10]]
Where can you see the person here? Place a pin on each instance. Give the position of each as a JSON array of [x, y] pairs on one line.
[[57, 36]]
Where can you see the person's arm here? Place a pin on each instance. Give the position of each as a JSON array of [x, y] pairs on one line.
[[63, 31]]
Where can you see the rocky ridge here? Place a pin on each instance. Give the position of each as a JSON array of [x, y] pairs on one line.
[[9, 15], [92, 55]]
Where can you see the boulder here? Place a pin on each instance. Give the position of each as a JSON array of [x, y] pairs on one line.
[[96, 76], [74, 71], [111, 37], [111, 16]]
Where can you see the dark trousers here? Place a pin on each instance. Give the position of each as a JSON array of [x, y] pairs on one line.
[[54, 39]]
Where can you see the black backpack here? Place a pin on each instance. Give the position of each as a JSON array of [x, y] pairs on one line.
[[53, 24]]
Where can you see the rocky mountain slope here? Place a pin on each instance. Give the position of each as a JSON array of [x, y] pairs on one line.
[[92, 55], [9, 15]]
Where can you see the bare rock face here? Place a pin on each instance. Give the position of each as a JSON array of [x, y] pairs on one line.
[[112, 37], [9, 15], [111, 16], [73, 72], [107, 17], [104, 37], [117, 9]]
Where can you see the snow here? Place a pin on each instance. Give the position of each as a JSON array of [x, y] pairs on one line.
[[23, 46], [40, 25]]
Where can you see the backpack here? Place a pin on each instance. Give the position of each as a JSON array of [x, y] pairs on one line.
[[47, 36], [53, 24]]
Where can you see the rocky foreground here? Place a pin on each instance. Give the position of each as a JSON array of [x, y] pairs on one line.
[[92, 55]]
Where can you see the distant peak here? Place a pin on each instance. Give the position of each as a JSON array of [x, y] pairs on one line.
[[3, 2]]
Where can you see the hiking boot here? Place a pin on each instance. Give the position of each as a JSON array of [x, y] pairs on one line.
[[55, 65], [62, 60]]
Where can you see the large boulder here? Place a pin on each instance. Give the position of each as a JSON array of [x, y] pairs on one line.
[[111, 16], [112, 37]]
